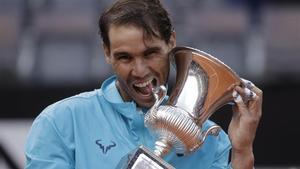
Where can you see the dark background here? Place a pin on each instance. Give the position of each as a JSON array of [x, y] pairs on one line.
[[277, 138]]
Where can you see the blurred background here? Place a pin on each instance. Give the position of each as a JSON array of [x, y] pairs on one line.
[[50, 49]]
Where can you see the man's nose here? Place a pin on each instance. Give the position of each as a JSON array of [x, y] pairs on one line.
[[140, 68]]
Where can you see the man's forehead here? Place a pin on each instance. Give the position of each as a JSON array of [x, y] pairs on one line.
[[149, 34], [120, 34]]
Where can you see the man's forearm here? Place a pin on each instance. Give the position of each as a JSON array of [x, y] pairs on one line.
[[242, 159]]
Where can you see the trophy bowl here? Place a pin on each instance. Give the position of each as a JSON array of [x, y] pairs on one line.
[[203, 85]]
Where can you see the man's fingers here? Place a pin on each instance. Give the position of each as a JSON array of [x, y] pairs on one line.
[[249, 95], [251, 86], [238, 100], [246, 94], [248, 84]]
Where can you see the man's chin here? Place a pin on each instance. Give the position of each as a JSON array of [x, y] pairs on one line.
[[143, 100], [145, 104]]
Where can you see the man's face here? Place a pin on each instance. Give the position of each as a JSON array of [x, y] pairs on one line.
[[139, 63]]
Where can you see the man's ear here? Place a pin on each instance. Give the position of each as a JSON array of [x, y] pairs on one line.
[[106, 53], [172, 42]]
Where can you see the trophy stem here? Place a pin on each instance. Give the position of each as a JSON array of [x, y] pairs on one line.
[[162, 147]]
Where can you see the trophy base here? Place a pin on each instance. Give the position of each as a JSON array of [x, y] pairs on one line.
[[142, 158]]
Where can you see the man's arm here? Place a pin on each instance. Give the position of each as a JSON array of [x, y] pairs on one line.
[[242, 159], [45, 148], [243, 126]]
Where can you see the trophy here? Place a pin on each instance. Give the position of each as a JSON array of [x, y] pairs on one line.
[[203, 85]]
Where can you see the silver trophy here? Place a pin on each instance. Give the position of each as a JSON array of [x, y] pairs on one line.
[[203, 85]]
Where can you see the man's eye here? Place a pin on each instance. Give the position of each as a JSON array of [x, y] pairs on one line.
[[123, 57], [151, 54]]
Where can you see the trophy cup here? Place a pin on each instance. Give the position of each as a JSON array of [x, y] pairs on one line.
[[203, 84]]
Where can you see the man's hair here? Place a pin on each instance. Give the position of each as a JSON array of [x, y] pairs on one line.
[[149, 15]]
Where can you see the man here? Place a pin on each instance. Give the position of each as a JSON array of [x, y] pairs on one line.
[[96, 129]]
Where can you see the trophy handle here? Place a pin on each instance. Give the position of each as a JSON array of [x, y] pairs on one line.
[[158, 99], [213, 130]]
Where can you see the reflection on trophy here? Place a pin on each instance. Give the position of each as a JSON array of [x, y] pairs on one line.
[[203, 84]]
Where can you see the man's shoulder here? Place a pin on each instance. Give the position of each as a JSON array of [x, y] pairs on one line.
[[72, 111], [85, 101]]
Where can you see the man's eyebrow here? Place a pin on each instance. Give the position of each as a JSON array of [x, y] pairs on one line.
[[151, 49], [116, 54]]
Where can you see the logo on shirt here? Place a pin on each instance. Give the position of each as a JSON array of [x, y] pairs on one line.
[[105, 147]]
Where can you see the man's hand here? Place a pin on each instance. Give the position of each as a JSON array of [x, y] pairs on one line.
[[242, 129]]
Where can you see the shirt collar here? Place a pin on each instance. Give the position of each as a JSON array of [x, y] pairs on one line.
[[129, 110], [112, 95], [111, 92]]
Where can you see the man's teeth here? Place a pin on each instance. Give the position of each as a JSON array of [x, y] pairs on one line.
[[144, 84]]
